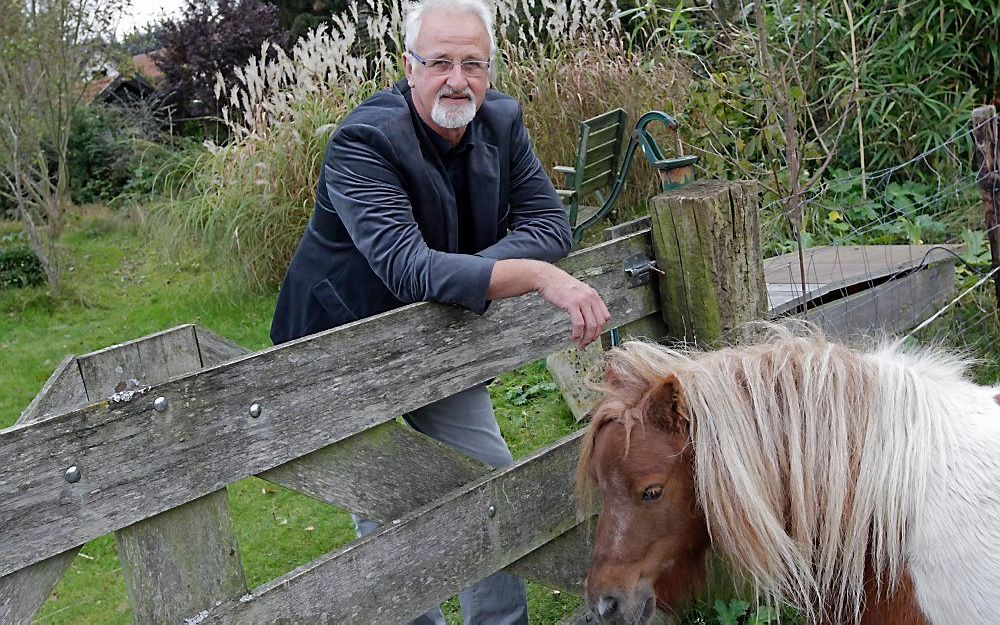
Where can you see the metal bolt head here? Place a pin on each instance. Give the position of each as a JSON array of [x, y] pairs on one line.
[[160, 404], [72, 474], [492, 511], [255, 410]]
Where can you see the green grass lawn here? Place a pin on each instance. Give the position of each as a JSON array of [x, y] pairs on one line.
[[119, 288]]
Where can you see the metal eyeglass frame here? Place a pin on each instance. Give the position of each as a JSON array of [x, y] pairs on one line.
[[483, 65]]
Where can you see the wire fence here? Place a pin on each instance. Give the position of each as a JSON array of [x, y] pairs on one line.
[[908, 250]]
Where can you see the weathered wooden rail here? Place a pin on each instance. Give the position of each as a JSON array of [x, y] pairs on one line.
[[142, 439]]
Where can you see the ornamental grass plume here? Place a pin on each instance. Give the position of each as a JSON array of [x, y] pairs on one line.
[[252, 197]]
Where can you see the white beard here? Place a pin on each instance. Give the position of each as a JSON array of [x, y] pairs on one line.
[[453, 113]]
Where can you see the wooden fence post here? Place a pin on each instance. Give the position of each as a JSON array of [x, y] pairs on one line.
[[175, 563], [706, 237], [185, 559], [23, 593], [987, 161]]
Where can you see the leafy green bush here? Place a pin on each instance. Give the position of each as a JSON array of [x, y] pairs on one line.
[[921, 69], [100, 154], [108, 152], [19, 266], [929, 64]]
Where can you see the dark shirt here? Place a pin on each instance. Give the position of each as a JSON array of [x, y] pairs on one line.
[[455, 161]]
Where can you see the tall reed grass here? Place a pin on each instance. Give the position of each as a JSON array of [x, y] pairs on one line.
[[246, 203], [583, 79]]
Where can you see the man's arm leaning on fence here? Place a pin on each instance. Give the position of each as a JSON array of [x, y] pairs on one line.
[[586, 309], [377, 214]]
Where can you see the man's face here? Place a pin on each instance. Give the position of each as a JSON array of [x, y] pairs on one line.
[[447, 103]]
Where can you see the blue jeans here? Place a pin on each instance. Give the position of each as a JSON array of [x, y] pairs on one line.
[[465, 422]]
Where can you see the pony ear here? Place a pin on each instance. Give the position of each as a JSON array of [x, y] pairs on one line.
[[666, 406]]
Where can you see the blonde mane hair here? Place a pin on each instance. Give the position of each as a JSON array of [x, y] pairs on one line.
[[811, 459]]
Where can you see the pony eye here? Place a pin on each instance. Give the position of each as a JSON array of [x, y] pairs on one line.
[[652, 493]]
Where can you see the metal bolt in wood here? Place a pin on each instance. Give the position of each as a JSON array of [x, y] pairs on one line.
[[255, 410], [160, 404], [72, 474], [492, 511]]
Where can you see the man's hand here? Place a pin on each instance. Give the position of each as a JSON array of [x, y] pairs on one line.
[[584, 305]]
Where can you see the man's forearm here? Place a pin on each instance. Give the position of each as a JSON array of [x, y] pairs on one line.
[[586, 309], [517, 276]]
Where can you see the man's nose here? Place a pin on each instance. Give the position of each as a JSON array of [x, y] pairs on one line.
[[456, 77]]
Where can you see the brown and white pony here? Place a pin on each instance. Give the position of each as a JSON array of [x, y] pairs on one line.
[[857, 487]]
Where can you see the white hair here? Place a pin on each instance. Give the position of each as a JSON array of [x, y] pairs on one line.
[[415, 14], [457, 115]]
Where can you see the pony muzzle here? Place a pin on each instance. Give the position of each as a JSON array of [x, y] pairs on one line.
[[619, 608]]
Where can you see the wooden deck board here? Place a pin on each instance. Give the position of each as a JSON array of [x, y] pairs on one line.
[[830, 268]]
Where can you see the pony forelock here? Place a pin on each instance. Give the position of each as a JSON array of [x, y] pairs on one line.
[[810, 458]]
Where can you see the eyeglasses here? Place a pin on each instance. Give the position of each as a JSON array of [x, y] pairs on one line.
[[441, 67]]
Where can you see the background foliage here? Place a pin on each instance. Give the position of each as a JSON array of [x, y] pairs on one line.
[[299, 17], [209, 39], [922, 66]]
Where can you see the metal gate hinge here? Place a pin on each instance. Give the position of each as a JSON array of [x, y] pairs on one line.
[[637, 270]]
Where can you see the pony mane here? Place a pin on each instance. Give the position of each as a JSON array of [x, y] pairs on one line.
[[811, 458]]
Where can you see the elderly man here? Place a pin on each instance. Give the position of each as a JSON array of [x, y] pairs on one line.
[[430, 191]]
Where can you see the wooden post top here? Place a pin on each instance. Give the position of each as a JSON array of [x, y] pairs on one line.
[[706, 236]]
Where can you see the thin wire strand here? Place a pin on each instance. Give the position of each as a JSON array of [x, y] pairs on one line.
[[944, 308]]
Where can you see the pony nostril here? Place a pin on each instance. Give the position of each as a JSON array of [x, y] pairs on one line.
[[607, 606]]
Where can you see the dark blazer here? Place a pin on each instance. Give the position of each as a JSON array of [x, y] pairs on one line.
[[384, 230]]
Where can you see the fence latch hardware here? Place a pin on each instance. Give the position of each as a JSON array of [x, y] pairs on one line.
[[638, 269]]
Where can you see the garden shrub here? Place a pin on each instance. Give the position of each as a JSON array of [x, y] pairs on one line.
[[930, 64], [107, 152], [19, 266], [100, 154]]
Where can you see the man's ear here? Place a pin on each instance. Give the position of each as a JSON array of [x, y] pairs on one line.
[[408, 69], [665, 406]]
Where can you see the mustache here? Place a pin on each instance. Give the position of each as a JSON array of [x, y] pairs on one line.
[[448, 91]]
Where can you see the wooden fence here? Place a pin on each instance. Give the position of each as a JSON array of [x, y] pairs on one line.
[[142, 438]]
